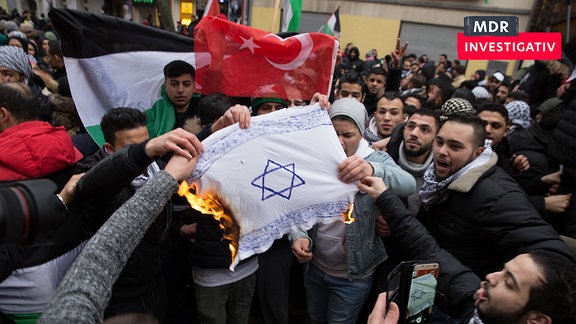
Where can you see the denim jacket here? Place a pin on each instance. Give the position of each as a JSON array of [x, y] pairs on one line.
[[364, 248]]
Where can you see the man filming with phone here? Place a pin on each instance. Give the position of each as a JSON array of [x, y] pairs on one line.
[[537, 287], [534, 287]]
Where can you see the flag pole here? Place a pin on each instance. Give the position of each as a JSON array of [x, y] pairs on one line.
[[242, 19], [275, 16]]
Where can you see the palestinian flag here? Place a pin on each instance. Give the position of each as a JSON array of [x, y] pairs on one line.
[[113, 63], [291, 16], [332, 26]]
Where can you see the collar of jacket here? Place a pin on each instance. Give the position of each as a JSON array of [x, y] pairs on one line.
[[468, 180]]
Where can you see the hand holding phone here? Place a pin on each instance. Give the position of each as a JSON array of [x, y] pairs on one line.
[[412, 285]]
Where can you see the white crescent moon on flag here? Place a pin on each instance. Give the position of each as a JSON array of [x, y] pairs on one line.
[[307, 45]]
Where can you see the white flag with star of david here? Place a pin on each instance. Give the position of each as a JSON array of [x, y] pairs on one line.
[[278, 176]]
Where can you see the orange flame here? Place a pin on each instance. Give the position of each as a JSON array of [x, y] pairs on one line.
[[212, 206], [347, 215]]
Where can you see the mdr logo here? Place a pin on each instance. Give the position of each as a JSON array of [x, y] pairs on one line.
[[497, 38]]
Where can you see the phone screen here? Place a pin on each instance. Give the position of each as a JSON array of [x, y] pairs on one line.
[[422, 292]]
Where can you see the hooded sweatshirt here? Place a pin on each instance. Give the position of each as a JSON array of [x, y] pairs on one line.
[[35, 149]]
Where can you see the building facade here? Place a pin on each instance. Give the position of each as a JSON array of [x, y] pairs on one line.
[[429, 26]]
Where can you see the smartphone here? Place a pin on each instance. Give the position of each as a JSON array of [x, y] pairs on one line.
[[412, 286]]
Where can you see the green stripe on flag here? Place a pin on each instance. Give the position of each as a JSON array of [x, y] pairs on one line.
[[294, 23], [96, 133]]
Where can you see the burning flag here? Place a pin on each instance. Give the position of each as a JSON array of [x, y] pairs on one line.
[[277, 176]]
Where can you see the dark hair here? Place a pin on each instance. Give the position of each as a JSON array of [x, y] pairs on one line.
[[20, 101], [506, 84], [177, 68], [468, 118], [412, 56], [481, 73], [446, 89], [461, 69], [23, 42], [212, 107], [519, 95], [468, 84], [494, 107], [353, 78], [445, 56], [418, 80], [54, 48], [414, 95], [444, 77], [355, 49], [555, 296], [33, 43], [409, 110], [389, 95], [430, 113], [378, 71], [464, 93], [118, 119]]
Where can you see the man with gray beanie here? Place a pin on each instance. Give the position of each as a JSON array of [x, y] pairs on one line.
[[341, 264]]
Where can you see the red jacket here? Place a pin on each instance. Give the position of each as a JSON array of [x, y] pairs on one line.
[[35, 149]]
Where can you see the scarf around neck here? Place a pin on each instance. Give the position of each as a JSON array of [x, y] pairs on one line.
[[435, 191], [476, 318], [411, 167], [371, 132]]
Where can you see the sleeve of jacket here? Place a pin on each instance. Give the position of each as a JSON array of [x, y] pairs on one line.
[[84, 293], [111, 175], [399, 181], [456, 283], [393, 80], [522, 227]]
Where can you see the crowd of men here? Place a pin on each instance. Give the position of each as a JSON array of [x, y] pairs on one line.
[[481, 172]]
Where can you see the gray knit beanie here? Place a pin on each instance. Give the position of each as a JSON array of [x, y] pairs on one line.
[[351, 108]]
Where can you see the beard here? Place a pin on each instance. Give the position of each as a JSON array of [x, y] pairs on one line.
[[493, 316], [416, 153], [500, 317]]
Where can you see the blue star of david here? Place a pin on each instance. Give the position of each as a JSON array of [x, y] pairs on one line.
[[418, 294], [278, 180]]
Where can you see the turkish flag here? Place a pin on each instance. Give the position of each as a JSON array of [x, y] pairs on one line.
[[212, 8], [236, 59]]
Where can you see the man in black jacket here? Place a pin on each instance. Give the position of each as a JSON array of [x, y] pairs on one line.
[[473, 208], [534, 287], [140, 287]]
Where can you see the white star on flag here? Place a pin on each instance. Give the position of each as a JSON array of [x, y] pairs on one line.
[[249, 44]]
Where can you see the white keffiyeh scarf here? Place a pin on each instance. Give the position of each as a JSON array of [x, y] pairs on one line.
[[436, 191]]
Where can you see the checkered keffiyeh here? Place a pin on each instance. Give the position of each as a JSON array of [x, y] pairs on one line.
[[14, 58], [456, 105], [519, 115]]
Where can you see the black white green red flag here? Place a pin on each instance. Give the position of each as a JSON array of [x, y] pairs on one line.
[[113, 63]]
